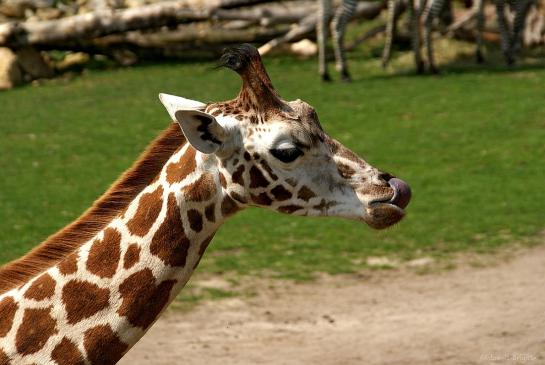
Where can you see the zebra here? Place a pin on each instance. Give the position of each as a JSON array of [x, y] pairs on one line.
[[424, 12], [338, 26], [511, 36]]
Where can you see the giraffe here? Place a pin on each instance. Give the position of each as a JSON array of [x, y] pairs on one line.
[[91, 291], [338, 27]]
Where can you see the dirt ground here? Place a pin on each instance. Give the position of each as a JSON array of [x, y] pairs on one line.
[[488, 315]]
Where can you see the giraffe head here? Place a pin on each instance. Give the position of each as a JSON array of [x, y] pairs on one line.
[[275, 154]]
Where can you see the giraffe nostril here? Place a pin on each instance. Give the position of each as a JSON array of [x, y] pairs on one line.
[[386, 177]]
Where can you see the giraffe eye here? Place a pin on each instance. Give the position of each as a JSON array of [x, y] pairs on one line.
[[286, 154]]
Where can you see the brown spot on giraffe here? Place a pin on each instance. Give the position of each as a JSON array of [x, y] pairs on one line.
[[143, 301], [170, 243], [223, 182], [149, 207], [345, 171], [261, 199], [200, 190], [202, 248], [4, 359], [204, 244], [67, 353], [195, 220], [280, 193], [239, 198], [69, 265], [103, 346], [83, 299], [132, 256], [289, 208], [105, 254], [267, 168], [8, 308], [42, 288], [323, 205], [291, 182], [247, 156], [257, 180], [237, 176], [36, 328], [305, 194], [210, 212], [177, 171], [228, 206]]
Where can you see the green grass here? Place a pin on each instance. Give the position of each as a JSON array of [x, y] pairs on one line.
[[470, 142]]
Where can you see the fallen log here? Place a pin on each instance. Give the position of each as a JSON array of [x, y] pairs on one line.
[[182, 38], [104, 22]]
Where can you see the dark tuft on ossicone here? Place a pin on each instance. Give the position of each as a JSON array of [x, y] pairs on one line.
[[239, 57]]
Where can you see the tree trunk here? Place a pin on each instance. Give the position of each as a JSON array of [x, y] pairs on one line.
[[104, 22]]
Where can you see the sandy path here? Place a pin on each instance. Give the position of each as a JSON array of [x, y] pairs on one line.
[[492, 315]]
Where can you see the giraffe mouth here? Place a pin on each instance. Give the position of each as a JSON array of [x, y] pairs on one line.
[[383, 213], [402, 193]]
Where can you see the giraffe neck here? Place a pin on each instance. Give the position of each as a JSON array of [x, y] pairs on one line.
[[100, 300]]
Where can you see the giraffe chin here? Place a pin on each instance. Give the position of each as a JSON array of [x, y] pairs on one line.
[[383, 215]]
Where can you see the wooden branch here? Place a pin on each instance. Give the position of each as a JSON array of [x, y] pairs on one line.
[[104, 22], [185, 35]]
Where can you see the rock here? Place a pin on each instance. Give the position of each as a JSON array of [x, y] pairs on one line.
[[421, 262], [10, 72], [381, 261], [73, 59], [32, 62], [125, 57], [304, 47], [49, 13], [12, 9]]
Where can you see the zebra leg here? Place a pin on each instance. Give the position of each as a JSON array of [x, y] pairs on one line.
[[521, 12], [432, 11], [415, 35], [324, 14], [505, 32], [338, 28], [479, 5], [390, 29]]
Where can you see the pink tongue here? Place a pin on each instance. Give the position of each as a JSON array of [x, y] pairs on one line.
[[402, 196]]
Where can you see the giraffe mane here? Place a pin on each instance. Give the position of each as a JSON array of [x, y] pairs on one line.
[[113, 202]]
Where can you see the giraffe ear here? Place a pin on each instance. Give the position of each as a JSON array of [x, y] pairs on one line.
[[173, 103], [201, 130]]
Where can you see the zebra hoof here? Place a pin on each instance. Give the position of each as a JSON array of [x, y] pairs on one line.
[[479, 58], [345, 77], [326, 77], [420, 68]]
